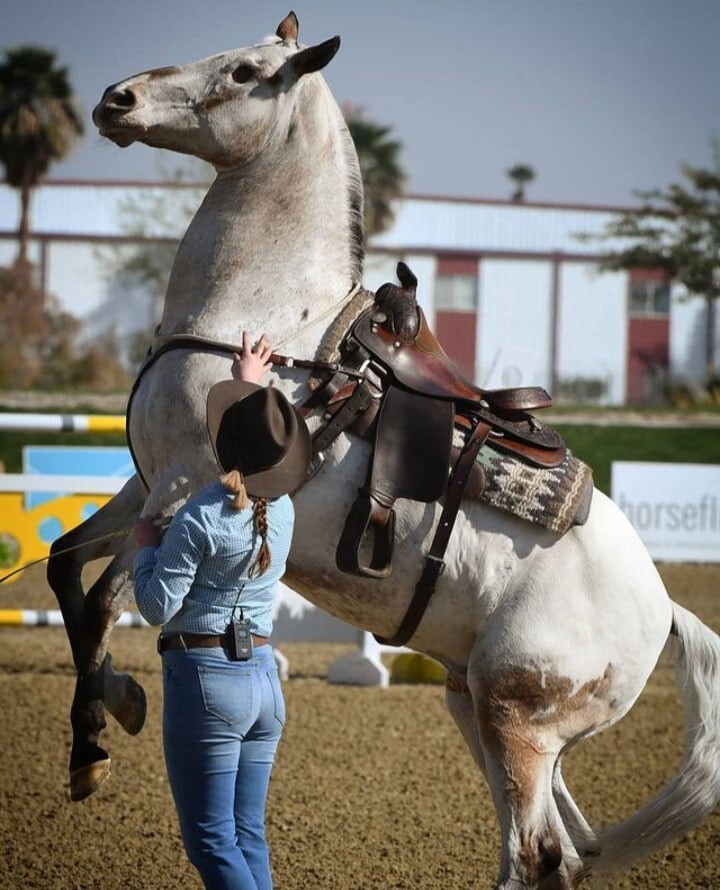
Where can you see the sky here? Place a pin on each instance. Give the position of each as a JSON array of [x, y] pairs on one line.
[[601, 97]]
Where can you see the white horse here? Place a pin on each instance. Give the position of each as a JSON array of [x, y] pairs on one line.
[[547, 639]]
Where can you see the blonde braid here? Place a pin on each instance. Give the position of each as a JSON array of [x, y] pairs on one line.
[[262, 562], [234, 482]]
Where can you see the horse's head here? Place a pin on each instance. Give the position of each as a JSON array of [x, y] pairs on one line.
[[223, 109]]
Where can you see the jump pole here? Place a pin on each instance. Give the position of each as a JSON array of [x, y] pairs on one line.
[[63, 423], [54, 618]]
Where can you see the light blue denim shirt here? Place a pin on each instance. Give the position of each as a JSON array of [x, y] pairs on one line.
[[190, 582]]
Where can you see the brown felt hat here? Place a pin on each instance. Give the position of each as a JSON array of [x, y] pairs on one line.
[[256, 430]]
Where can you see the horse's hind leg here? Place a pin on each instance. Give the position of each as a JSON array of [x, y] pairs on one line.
[[520, 748], [583, 837], [504, 762], [461, 707], [520, 778]]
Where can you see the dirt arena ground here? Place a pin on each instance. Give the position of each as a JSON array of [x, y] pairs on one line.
[[372, 788]]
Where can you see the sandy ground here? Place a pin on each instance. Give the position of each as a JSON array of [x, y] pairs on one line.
[[372, 788]]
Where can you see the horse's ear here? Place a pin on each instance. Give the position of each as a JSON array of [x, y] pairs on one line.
[[314, 57], [288, 28]]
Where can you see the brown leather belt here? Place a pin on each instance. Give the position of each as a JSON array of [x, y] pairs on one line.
[[200, 641]]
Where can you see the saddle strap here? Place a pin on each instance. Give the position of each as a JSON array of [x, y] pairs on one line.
[[410, 459], [434, 561], [361, 399]]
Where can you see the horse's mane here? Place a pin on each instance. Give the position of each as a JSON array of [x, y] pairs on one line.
[[355, 185], [355, 203]]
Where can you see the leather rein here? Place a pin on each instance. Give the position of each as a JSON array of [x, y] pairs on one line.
[[204, 344]]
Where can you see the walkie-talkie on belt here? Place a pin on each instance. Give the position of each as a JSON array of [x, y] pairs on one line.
[[240, 637]]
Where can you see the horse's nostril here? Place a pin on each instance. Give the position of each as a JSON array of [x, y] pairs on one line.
[[113, 106], [121, 99]]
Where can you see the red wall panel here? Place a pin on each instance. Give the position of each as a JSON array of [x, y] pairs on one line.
[[457, 264], [456, 333], [648, 348]]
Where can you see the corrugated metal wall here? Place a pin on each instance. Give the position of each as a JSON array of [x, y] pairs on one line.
[[544, 316]]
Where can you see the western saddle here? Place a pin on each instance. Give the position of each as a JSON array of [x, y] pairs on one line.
[[396, 386]]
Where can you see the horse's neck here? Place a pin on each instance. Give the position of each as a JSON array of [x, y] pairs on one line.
[[269, 249]]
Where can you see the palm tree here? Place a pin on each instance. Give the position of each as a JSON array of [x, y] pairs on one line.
[[39, 122], [521, 175], [382, 175]]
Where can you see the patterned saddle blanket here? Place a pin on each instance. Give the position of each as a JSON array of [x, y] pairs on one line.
[[552, 497]]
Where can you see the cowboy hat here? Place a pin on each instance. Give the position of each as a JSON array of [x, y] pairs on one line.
[[256, 430]]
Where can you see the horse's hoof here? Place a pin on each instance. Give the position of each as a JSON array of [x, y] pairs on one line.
[[128, 705], [85, 780]]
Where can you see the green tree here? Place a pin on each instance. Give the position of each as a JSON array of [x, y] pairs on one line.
[[676, 229], [520, 175], [382, 174], [39, 123], [159, 218], [39, 342]]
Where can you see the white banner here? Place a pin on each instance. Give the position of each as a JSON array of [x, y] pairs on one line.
[[675, 508]]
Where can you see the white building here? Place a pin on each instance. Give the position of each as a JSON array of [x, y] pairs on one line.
[[512, 292]]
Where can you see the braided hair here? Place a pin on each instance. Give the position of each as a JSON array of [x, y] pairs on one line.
[[262, 562], [233, 481]]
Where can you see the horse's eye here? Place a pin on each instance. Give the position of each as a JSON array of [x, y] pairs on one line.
[[243, 73]]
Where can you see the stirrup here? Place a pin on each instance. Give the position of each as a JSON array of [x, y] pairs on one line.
[[366, 512]]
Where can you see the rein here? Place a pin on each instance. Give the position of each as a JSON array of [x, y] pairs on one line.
[[191, 341], [204, 344], [284, 361]]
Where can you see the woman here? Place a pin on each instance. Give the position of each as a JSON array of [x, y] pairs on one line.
[[211, 582]]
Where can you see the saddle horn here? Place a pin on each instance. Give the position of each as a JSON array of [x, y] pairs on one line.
[[406, 276], [399, 305]]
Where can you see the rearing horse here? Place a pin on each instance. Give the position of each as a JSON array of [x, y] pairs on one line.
[[553, 638]]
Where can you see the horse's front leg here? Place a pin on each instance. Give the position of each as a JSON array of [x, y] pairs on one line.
[[103, 534], [97, 682], [98, 685], [89, 621]]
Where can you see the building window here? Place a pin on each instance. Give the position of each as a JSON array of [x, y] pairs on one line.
[[456, 299], [456, 293], [649, 292], [456, 284]]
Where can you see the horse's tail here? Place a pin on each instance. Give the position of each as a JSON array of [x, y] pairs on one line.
[[695, 791]]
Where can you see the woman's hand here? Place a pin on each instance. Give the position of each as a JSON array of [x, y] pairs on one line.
[[147, 533], [255, 362]]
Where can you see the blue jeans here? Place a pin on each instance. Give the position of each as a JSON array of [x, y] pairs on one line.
[[222, 721]]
